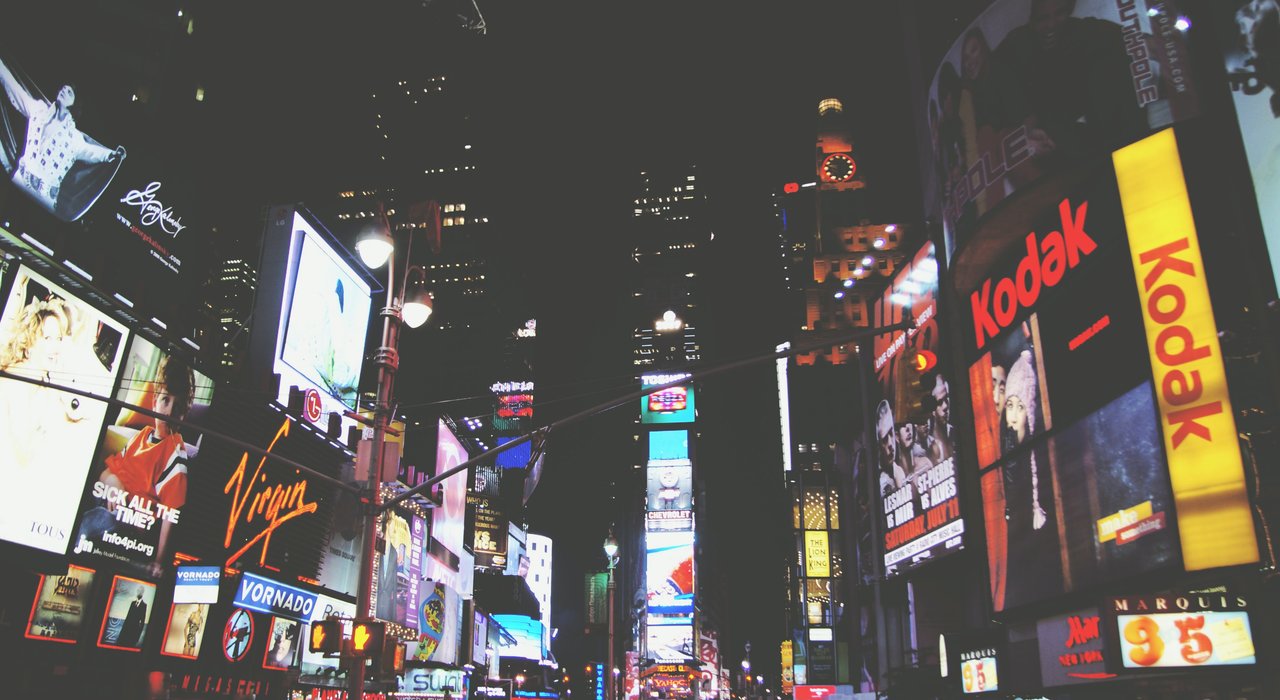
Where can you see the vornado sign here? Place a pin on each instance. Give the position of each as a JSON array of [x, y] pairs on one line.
[[275, 598], [995, 305], [1205, 468]]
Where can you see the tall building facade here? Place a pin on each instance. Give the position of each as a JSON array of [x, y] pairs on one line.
[[661, 504], [838, 248]]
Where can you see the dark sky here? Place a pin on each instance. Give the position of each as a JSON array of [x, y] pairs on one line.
[[581, 95]]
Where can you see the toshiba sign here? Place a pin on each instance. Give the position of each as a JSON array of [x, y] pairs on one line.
[[996, 304], [1205, 468]]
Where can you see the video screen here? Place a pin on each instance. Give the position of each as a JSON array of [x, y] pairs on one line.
[[668, 445], [670, 487], [669, 573], [671, 405], [47, 436]]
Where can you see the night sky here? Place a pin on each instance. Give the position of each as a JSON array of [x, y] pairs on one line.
[[584, 94]]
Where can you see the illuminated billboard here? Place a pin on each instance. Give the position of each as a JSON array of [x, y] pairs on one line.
[[57, 613], [89, 182], [1242, 27], [1032, 89], [669, 573], [311, 313], [668, 445], [514, 457], [129, 610], [671, 405], [448, 521], [1072, 649], [671, 643], [914, 434], [47, 437], [1092, 434], [670, 487], [138, 487], [185, 629], [1183, 630], [527, 633], [399, 568]]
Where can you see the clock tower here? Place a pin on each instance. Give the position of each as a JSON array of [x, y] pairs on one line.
[[837, 169]]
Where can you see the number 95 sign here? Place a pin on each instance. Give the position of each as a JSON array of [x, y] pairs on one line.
[[1185, 639]]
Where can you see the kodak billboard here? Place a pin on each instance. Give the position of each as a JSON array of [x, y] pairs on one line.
[[1200, 438]]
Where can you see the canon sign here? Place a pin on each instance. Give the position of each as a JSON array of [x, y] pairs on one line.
[[1044, 265]]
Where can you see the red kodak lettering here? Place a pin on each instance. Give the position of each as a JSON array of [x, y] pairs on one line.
[[1164, 260], [1044, 265], [1186, 425]]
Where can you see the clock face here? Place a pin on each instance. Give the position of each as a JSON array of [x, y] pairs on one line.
[[237, 636], [838, 167]]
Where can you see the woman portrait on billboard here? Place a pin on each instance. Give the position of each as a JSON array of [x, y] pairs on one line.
[[44, 152], [1033, 568]]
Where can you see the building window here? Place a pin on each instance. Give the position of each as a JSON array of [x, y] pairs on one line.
[[815, 510]]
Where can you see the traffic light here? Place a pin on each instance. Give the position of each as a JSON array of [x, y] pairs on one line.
[[391, 662], [367, 638], [326, 637]]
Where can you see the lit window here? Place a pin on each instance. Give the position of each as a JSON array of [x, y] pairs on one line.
[[199, 94]]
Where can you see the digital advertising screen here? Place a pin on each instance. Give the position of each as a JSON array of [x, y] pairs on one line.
[[1030, 89], [138, 485], [914, 434], [527, 633], [311, 314], [184, 633], [672, 643], [1183, 630], [489, 539], [669, 573], [57, 613], [88, 180], [326, 318], [1082, 437], [669, 487], [668, 445], [284, 637], [47, 436], [1245, 31], [671, 405], [129, 608]]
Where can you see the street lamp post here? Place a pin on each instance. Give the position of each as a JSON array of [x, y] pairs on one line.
[[611, 553], [376, 248]]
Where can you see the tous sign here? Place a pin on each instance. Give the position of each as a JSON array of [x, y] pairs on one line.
[[276, 503]]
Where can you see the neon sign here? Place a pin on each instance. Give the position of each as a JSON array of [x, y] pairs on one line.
[[275, 503]]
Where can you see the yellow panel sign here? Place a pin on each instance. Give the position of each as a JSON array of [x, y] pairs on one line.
[[817, 556], [1214, 518]]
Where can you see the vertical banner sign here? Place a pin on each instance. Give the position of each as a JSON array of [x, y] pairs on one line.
[[817, 559], [1205, 468], [788, 670]]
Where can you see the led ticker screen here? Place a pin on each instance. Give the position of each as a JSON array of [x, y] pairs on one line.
[[1183, 630], [671, 405], [133, 502], [515, 406], [667, 445], [669, 573], [47, 437], [913, 431]]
